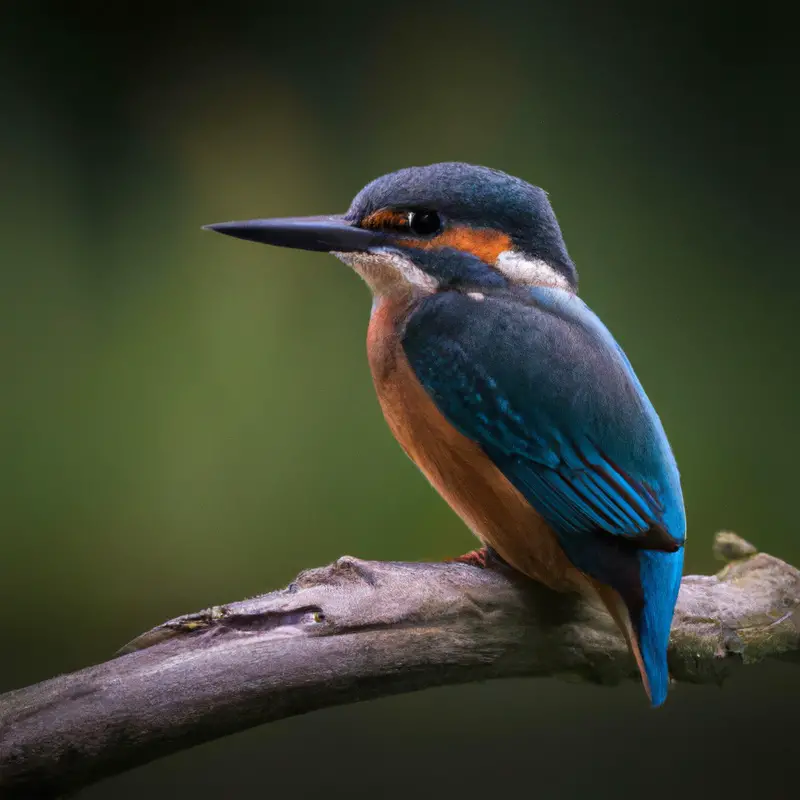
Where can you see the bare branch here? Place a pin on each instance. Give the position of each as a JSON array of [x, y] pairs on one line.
[[355, 630]]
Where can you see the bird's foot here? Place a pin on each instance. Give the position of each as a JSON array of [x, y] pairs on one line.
[[475, 558], [482, 558]]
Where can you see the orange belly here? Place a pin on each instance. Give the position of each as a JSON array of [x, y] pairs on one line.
[[457, 467]]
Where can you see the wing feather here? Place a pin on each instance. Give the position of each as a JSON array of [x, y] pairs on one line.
[[545, 390]]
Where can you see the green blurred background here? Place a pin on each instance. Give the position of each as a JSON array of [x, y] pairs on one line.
[[188, 420]]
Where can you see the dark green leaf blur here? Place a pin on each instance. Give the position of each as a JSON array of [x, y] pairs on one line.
[[188, 419]]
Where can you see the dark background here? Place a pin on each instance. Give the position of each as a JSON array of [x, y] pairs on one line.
[[188, 420]]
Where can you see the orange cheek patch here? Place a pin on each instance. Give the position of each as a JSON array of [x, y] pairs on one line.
[[385, 219], [485, 244]]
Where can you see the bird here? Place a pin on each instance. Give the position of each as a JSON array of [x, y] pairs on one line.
[[508, 392]]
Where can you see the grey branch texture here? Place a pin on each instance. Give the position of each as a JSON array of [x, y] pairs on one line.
[[356, 630]]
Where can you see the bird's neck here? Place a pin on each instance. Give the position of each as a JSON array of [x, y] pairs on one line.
[[383, 335]]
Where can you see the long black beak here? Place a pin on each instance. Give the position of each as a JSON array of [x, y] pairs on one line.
[[304, 233]]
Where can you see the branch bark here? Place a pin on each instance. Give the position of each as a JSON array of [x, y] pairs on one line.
[[356, 630]]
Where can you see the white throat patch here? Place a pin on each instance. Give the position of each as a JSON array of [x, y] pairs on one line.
[[387, 272], [526, 271]]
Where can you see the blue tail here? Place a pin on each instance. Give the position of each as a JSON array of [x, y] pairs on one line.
[[639, 587], [660, 576]]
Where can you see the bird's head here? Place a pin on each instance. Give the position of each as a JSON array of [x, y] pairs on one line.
[[422, 229]]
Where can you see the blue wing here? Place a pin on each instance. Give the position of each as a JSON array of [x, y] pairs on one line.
[[551, 398], [540, 384]]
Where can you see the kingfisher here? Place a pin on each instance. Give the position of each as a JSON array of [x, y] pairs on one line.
[[508, 392]]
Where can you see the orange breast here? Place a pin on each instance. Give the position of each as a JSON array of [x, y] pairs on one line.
[[457, 467]]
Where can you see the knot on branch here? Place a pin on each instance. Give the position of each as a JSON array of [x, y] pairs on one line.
[[729, 546]]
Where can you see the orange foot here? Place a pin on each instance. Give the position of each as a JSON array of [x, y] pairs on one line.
[[476, 558]]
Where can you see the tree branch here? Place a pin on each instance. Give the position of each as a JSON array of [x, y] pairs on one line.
[[355, 630]]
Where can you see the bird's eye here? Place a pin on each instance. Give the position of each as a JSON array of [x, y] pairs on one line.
[[424, 223]]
